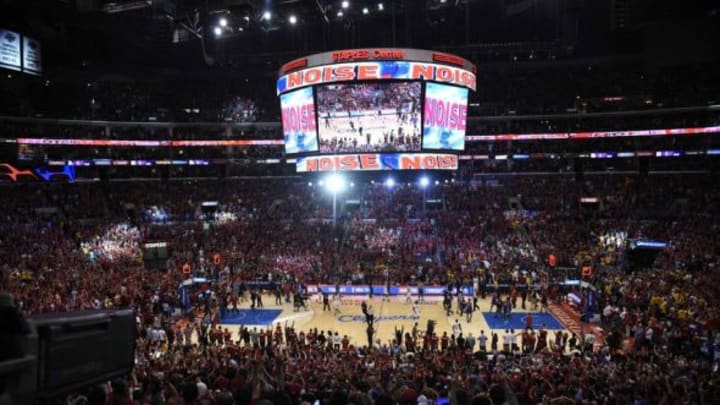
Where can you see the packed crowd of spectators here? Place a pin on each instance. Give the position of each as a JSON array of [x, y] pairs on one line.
[[504, 89], [518, 90], [368, 98], [146, 96], [661, 323]]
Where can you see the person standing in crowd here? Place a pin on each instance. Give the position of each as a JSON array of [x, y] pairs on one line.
[[278, 294], [457, 328], [506, 341], [370, 331], [482, 341], [541, 339], [444, 342]]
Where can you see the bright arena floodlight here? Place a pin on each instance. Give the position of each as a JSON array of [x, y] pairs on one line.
[[390, 182], [217, 31], [345, 4], [365, 11], [335, 183], [223, 22], [424, 181], [267, 15], [292, 20], [381, 7]]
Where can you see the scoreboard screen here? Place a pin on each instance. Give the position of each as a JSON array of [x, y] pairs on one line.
[[376, 109], [298, 121], [369, 117], [445, 117]]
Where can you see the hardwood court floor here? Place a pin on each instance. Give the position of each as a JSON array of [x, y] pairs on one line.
[[389, 314]]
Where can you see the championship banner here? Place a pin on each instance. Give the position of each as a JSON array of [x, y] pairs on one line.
[[9, 49], [380, 70], [32, 56], [377, 161]]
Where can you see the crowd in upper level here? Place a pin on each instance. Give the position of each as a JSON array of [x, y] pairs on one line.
[[502, 90]]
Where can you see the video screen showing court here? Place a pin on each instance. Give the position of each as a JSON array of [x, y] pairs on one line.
[[370, 117]]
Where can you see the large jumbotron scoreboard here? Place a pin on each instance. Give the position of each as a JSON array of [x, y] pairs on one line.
[[375, 109]]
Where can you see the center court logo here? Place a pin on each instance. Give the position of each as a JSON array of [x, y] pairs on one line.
[[361, 318]]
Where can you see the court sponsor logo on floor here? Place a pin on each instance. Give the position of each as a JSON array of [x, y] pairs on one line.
[[361, 318]]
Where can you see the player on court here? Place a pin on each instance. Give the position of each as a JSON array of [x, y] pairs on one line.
[[336, 305], [416, 309]]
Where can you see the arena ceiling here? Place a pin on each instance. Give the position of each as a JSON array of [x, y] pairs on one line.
[[261, 34]]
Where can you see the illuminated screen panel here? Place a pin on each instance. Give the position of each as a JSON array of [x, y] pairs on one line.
[[380, 70], [377, 161], [369, 117], [298, 121], [445, 117]]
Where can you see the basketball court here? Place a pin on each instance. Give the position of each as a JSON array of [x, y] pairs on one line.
[[389, 314], [369, 131]]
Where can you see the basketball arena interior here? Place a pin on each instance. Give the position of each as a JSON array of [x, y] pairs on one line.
[[331, 202]]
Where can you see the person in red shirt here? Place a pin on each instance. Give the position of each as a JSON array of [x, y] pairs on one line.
[[531, 341], [232, 299], [528, 321], [525, 341], [311, 337], [542, 339], [219, 336], [212, 336], [444, 342], [345, 343], [228, 336], [434, 342]]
